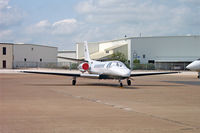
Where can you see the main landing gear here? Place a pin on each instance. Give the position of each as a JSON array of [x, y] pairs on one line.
[[120, 83], [128, 82], [74, 81]]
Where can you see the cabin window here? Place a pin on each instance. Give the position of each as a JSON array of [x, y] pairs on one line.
[[40, 59], [108, 66], [24, 59]]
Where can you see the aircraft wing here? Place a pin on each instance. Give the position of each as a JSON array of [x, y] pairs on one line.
[[65, 74], [72, 59], [94, 75], [148, 74]]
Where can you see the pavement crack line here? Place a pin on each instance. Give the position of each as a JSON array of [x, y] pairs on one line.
[[125, 109]]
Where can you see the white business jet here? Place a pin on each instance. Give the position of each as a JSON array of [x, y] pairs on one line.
[[100, 70], [195, 66]]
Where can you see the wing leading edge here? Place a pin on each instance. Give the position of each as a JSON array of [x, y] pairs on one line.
[[53, 73], [65, 74], [95, 75], [149, 74]]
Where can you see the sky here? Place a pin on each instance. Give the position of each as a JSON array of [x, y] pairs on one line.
[[63, 23]]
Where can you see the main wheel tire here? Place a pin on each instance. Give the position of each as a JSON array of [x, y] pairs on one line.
[[121, 85], [129, 82], [198, 77], [73, 82]]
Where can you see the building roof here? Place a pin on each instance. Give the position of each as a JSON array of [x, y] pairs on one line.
[[6, 43], [37, 45], [67, 51], [27, 44], [126, 38]]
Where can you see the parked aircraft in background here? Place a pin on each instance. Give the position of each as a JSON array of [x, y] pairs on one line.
[[195, 66], [100, 70]]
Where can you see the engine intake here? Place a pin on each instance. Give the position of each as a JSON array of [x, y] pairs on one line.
[[83, 67]]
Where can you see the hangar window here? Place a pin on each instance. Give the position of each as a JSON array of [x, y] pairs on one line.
[[144, 56], [40, 59], [107, 51], [4, 50], [4, 63], [151, 61], [24, 59]]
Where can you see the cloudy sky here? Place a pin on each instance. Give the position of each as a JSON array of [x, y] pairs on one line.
[[62, 23]]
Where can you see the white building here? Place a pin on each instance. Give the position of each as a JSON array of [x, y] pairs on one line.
[[6, 55], [166, 52], [27, 55]]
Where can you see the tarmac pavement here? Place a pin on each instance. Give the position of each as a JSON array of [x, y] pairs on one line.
[[33, 103]]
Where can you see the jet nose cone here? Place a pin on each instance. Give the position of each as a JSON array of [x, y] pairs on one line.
[[127, 73], [188, 66], [193, 66]]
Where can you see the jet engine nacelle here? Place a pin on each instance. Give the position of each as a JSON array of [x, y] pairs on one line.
[[83, 67]]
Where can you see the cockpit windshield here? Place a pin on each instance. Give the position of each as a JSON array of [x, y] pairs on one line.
[[116, 64]]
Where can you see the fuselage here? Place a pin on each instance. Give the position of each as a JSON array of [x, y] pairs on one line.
[[112, 68], [194, 66]]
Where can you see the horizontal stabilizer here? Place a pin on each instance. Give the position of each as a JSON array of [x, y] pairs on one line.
[[72, 59]]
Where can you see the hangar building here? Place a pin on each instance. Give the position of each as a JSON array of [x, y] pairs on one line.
[[26, 55], [165, 52]]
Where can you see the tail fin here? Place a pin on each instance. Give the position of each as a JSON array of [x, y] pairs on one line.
[[86, 51]]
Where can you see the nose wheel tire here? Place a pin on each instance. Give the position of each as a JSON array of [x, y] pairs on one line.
[[129, 82], [73, 82]]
